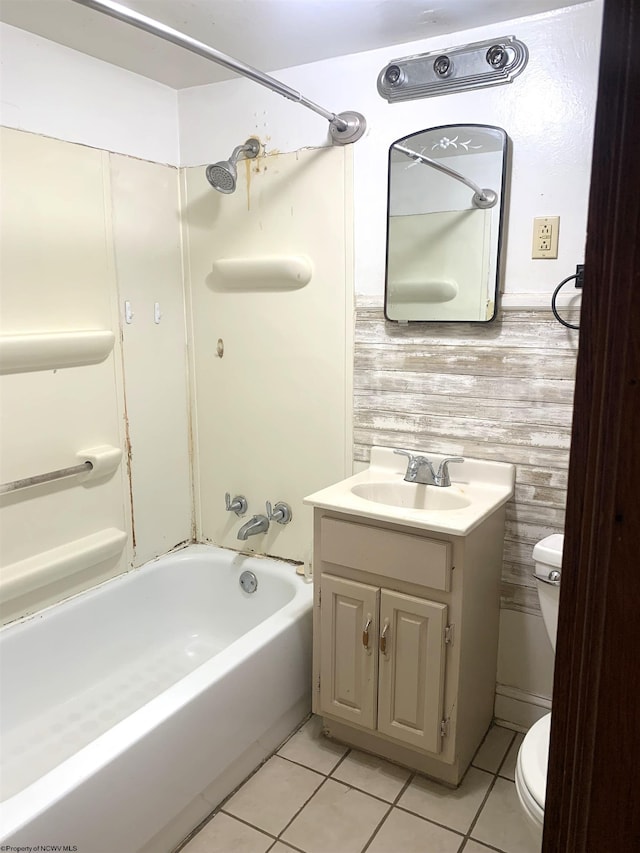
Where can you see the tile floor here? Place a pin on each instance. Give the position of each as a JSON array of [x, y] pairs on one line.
[[317, 796]]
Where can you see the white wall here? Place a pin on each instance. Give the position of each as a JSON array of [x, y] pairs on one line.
[[548, 113], [59, 92], [525, 669]]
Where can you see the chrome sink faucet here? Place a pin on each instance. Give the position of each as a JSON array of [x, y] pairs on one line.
[[420, 470]]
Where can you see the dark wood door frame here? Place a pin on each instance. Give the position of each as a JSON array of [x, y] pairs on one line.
[[593, 787]]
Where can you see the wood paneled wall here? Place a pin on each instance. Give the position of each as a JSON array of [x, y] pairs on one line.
[[501, 391]]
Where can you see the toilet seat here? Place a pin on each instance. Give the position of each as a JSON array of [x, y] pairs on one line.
[[531, 769]]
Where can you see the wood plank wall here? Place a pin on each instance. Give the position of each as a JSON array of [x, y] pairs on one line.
[[501, 391]]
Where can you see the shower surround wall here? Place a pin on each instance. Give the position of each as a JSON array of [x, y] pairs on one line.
[[83, 231], [56, 278], [148, 269], [108, 233], [273, 406]]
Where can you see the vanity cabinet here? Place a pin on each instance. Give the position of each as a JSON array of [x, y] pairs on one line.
[[382, 660], [405, 638]]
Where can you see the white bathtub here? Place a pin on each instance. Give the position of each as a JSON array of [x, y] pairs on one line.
[[131, 710]]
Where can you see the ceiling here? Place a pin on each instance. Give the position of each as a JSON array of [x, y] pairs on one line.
[[268, 34]]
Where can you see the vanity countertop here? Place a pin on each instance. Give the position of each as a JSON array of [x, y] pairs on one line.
[[478, 487]]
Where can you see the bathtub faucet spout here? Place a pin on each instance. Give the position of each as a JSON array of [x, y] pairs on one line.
[[257, 524]]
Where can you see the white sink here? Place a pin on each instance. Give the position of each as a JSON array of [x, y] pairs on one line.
[[412, 495], [477, 489]]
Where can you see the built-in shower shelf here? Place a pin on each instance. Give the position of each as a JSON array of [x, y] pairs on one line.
[[45, 568], [52, 350], [271, 272]]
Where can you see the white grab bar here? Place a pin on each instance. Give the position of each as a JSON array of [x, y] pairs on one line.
[[97, 461], [48, 477]]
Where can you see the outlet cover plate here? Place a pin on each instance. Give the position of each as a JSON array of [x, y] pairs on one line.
[[545, 237]]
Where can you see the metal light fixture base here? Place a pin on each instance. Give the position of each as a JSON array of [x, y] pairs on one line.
[[458, 69]]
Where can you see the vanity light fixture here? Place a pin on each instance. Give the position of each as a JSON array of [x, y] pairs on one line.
[[471, 66]]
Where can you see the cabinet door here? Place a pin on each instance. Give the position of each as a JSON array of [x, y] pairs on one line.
[[412, 656], [349, 664]]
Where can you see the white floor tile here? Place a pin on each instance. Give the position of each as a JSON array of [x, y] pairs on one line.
[[406, 833], [271, 797], [341, 814], [493, 749], [337, 819], [470, 847], [453, 808], [508, 769], [310, 747], [223, 834], [502, 822], [372, 775]]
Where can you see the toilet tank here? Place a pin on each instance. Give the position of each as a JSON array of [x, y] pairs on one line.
[[547, 555]]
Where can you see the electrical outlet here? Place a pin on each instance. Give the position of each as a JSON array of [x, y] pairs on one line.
[[545, 237]]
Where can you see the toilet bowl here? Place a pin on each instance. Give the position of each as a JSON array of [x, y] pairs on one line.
[[531, 766], [531, 771]]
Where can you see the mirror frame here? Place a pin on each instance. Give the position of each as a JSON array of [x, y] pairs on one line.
[[506, 168]]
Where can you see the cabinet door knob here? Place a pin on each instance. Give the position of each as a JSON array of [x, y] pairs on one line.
[[383, 637], [365, 632]]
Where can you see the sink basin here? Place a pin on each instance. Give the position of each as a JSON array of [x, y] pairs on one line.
[[412, 495], [478, 488]]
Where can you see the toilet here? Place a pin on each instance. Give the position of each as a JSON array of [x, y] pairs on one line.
[[531, 767]]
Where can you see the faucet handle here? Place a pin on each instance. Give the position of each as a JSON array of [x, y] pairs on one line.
[[443, 471], [281, 512], [414, 465], [404, 453], [237, 505], [410, 456]]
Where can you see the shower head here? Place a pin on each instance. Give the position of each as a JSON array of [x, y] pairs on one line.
[[223, 175]]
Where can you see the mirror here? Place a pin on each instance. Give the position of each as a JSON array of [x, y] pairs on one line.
[[444, 223]]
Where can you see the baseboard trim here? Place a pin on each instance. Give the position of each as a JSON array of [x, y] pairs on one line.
[[518, 710]]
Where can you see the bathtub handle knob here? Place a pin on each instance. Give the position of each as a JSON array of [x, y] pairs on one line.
[[237, 505], [281, 512], [365, 633]]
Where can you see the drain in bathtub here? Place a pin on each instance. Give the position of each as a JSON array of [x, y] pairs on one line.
[[248, 581]]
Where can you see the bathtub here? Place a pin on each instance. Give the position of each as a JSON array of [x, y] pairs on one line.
[[131, 710]]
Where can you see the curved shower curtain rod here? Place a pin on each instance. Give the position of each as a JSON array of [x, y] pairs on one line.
[[344, 127], [482, 198]]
